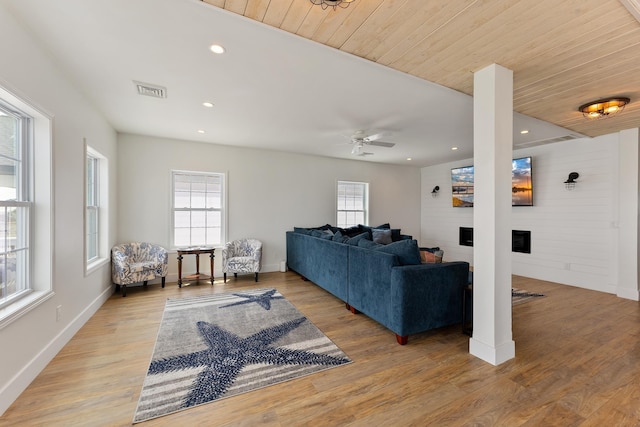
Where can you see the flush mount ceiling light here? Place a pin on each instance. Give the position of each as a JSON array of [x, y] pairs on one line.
[[332, 3], [603, 107]]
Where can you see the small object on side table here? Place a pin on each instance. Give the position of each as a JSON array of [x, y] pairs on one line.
[[197, 276]]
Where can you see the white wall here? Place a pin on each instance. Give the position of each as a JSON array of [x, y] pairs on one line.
[[30, 342], [270, 192], [573, 233]]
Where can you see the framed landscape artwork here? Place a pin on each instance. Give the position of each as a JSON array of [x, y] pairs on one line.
[[462, 189]]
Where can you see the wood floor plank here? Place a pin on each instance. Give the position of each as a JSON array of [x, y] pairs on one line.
[[577, 364]]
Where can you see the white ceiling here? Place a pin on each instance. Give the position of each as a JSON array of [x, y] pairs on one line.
[[270, 90]]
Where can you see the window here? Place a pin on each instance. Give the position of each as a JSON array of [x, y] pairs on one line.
[[25, 220], [353, 203], [198, 209], [14, 204], [92, 221], [96, 215]]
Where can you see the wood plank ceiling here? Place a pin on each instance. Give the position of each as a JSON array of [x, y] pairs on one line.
[[563, 53]]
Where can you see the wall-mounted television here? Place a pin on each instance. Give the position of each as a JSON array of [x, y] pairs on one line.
[[521, 184]]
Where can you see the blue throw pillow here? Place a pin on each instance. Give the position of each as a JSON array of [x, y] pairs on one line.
[[322, 234], [352, 231], [302, 230], [355, 240], [323, 227], [338, 237], [368, 244], [407, 251]]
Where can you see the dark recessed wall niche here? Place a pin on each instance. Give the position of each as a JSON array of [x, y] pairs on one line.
[[520, 239], [466, 236]]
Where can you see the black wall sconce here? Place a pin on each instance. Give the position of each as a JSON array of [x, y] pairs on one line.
[[570, 183], [434, 192]]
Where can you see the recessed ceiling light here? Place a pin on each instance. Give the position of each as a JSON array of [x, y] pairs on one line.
[[409, 158], [200, 131], [454, 148], [207, 104], [524, 131], [216, 48]]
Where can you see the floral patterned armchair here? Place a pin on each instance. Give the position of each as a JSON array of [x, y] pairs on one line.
[[137, 262], [242, 256]]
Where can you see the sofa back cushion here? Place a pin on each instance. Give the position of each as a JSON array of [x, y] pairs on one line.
[[407, 251]]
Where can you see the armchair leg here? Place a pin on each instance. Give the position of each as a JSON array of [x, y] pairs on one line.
[[225, 277], [144, 283], [124, 291], [163, 279], [235, 275], [256, 276]]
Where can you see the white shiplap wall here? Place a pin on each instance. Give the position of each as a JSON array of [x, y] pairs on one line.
[[573, 233]]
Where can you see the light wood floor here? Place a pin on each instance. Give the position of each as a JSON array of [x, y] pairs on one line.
[[577, 364]]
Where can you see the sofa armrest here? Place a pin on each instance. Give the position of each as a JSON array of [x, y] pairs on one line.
[[426, 296]]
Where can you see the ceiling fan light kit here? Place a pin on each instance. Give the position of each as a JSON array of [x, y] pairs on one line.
[[332, 3], [359, 139], [603, 107]]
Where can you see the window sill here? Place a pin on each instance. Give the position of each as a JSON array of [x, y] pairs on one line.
[[23, 306], [94, 265]]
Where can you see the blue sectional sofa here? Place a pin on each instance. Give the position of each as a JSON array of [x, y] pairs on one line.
[[388, 282]]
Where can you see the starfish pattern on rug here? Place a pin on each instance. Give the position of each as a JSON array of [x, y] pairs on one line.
[[264, 300], [228, 353], [515, 293]]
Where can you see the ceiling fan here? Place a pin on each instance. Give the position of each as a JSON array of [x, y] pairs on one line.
[[360, 138]]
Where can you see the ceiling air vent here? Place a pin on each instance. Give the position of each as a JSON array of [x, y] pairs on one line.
[[151, 90], [548, 141]]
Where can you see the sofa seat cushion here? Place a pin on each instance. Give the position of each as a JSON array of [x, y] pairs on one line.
[[137, 267], [407, 251]]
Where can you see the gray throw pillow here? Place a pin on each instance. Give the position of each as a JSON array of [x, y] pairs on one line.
[[381, 236]]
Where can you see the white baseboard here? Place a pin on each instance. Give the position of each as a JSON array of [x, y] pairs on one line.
[[626, 293], [31, 370]]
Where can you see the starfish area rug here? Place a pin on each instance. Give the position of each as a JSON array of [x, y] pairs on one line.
[[519, 296], [221, 345]]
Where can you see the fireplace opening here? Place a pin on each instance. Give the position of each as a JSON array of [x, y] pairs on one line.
[[521, 241]]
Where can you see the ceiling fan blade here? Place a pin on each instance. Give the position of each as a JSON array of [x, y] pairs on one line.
[[374, 136], [381, 143]]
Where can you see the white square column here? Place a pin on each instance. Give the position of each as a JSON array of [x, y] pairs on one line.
[[628, 236], [492, 147]]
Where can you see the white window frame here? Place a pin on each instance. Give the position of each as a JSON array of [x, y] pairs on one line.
[[37, 182], [222, 209], [340, 208], [100, 206]]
